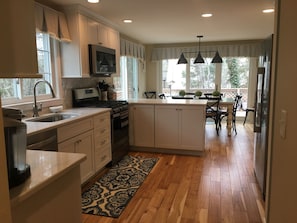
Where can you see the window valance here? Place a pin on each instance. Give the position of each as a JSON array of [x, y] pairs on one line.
[[52, 22], [129, 48], [227, 50]]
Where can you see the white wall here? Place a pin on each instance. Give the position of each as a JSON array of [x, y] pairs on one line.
[[282, 199]]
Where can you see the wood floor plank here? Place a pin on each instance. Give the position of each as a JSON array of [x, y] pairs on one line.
[[219, 186]]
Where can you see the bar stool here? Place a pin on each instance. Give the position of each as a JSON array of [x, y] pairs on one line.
[[246, 113]]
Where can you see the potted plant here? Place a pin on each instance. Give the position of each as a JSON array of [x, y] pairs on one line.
[[182, 93], [198, 93], [216, 93]]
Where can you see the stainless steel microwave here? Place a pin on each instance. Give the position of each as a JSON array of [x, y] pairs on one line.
[[102, 60]]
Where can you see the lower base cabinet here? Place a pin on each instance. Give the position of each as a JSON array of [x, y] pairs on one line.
[[180, 127], [82, 143], [176, 127], [90, 136]]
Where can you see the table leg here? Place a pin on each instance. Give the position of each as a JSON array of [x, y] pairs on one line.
[[229, 119]]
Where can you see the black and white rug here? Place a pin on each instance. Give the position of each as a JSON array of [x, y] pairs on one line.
[[113, 191]]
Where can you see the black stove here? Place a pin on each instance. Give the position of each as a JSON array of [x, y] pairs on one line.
[[88, 97]]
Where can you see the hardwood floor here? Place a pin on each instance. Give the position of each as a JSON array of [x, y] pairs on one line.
[[218, 187]]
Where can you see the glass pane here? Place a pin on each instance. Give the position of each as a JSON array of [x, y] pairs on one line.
[[235, 77], [202, 76], [28, 85], [9, 88], [173, 76]]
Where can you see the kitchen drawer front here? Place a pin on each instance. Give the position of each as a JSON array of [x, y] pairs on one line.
[[102, 120], [74, 129], [102, 132], [102, 140], [102, 157]]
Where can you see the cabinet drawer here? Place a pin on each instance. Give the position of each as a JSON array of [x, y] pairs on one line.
[[102, 140], [102, 157], [102, 132], [74, 129], [102, 120]]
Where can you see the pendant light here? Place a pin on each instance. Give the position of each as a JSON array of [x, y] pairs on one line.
[[182, 59], [199, 58], [217, 58]]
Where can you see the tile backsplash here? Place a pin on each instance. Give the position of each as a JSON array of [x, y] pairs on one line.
[[69, 83]]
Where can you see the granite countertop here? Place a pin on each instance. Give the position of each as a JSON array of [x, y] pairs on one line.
[[168, 101], [35, 127], [46, 167]]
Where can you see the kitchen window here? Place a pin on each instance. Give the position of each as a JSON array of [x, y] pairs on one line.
[[128, 80], [15, 91], [231, 77]]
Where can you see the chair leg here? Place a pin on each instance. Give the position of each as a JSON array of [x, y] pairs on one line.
[[246, 114]]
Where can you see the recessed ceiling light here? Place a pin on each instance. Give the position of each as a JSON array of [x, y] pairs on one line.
[[268, 10], [206, 15], [93, 1], [127, 20]]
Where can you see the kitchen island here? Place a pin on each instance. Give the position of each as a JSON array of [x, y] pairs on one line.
[[52, 193], [167, 125]]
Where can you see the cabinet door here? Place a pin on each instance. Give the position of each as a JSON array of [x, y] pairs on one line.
[[143, 125], [192, 128], [74, 55], [82, 143], [92, 32], [166, 126], [102, 35]]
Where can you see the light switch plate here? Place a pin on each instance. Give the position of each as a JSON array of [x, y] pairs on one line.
[[283, 124]]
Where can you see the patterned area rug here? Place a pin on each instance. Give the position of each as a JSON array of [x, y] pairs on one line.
[[113, 191]]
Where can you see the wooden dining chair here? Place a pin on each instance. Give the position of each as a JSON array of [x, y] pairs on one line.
[[213, 112], [224, 114]]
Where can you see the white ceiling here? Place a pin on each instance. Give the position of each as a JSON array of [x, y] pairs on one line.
[[180, 21]]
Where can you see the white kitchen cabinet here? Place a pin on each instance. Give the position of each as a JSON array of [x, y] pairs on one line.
[[102, 140], [78, 138], [179, 127], [74, 55], [142, 124], [103, 35], [83, 31]]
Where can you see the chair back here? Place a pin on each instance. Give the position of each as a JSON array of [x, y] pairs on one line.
[[150, 94], [162, 96], [237, 101], [212, 106]]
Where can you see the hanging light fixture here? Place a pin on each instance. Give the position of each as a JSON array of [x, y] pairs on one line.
[[199, 59]]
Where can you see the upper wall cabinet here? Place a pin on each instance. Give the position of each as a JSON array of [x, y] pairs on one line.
[[18, 54], [84, 31]]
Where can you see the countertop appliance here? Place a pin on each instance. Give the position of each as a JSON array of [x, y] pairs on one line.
[[15, 142], [261, 119], [88, 97]]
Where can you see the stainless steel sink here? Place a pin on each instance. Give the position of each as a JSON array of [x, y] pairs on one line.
[[52, 117]]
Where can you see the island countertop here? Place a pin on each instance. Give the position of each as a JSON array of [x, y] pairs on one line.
[[46, 167], [168, 101]]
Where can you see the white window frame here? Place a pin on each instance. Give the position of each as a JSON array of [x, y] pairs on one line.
[[46, 99]]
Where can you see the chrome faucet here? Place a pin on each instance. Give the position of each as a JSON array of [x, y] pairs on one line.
[[36, 109]]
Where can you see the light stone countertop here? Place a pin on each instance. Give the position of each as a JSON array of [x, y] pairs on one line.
[[168, 101], [35, 127], [46, 167]]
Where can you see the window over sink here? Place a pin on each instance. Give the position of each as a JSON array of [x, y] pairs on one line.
[[15, 91]]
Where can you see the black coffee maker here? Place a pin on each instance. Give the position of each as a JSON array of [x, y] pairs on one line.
[[15, 142]]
